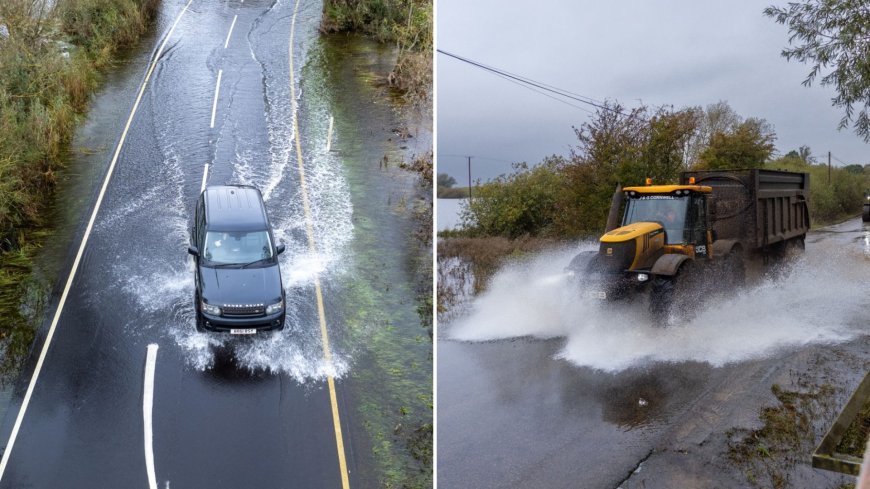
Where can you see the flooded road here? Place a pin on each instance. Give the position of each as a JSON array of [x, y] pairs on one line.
[[241, 92], [538, 388]]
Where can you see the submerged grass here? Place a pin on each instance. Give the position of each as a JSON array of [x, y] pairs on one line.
[[52, 56], [382, 298], [407, 23], [769, 454]]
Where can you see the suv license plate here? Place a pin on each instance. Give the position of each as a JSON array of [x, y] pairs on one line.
[[596, 294], [243, 331]]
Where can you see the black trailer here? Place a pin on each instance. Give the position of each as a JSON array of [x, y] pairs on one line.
[[763, 210]]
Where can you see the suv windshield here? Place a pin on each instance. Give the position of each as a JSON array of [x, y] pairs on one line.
[[237, 248], [667, 210]]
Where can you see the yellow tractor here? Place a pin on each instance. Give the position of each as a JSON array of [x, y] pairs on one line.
[[677, 241]]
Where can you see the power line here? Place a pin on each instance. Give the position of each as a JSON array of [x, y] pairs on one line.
[[841, 161], [543, 86]]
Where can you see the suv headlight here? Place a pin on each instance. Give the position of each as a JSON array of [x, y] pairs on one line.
[[211, 309], [276, 307]]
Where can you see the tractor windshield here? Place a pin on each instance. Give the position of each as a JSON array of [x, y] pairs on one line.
[[667, 210]]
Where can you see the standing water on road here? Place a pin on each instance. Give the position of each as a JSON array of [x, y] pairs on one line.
[[819, 301]]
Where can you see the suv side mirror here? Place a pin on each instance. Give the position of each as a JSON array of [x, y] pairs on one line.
[[280, 249], [193, 250]]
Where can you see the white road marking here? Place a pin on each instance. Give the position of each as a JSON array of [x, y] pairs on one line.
[[147, 412], [75, 266], [217, 91], [329, 134], [204, 178], [227, 43]]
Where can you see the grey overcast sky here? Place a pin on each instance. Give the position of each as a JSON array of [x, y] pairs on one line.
[[675, 52]]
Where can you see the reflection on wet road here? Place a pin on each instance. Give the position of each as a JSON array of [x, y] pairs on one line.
[[537, 388]]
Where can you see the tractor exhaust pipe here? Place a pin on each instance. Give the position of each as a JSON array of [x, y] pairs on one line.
[[615, 204]]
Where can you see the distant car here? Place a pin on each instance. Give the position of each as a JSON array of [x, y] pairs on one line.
[[238, 280]]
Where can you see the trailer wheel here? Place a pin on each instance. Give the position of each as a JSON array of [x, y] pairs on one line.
[[734, 269]]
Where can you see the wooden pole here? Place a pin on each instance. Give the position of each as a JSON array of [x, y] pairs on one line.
[[469, 178]]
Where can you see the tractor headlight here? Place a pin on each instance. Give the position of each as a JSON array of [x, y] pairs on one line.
[[642, 277], [276, 307], [211, 309], [570, 273]]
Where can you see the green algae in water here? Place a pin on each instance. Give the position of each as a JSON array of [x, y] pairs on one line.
[[854, 440]]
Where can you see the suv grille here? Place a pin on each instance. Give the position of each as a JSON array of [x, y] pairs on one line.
[[243, 309]]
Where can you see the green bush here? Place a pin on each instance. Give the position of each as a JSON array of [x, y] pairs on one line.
[[523, 202], [829, 202]]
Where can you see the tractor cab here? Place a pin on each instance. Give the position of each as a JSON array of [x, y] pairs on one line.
[[681, 210]]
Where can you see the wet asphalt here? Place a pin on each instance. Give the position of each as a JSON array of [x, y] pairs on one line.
[[512, 413], [222, 417]]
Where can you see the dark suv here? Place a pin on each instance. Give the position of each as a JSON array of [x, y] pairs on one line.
[[238, 282]]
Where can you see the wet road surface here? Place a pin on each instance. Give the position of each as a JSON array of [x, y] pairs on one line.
[[533, 402], [225, 103]]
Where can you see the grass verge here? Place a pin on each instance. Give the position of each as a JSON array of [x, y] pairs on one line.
[[51, 61], [407, 23], [768, 455]]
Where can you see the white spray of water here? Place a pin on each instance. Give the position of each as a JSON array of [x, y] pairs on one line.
[[820, 301], [297, 351]]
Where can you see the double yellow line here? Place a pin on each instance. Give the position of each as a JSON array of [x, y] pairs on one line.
[[327, 354]]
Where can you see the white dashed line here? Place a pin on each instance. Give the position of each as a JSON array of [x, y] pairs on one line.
[[204, 178], [7, 452], [329, 134], [227, 43], [147, 411], [217, 91]]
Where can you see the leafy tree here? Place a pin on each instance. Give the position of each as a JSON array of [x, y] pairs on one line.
[[833, 36], [668, 136], [620, 147], [609, 152], [806, 155], [803, 153], [750, 145], [446, 181], [854, 169]]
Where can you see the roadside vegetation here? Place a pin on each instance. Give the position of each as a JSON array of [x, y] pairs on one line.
[[567, 198], [52, 55], [407, 23]]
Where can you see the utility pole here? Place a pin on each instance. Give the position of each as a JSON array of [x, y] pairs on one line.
[[469, 178], [829, 168]]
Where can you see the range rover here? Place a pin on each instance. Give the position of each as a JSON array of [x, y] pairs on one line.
[[238, 280]]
